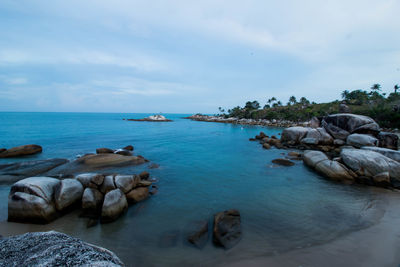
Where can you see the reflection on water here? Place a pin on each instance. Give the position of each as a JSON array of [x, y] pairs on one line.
[[204, 168]]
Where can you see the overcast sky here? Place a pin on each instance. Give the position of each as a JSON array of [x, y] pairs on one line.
[[191, 56]]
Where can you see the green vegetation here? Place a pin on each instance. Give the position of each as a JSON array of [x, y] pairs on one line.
[[384, 109]]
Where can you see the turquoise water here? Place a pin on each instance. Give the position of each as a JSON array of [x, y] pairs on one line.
[[204, 168]]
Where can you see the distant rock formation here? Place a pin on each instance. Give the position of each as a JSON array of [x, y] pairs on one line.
[[155, 118]]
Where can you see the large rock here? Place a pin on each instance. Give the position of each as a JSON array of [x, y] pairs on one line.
[[126, 182], [312, 157], [21, 151], [352, 123], [31, 200], [360, 140], [369, 164], [108, 184], [67, 193], [388, 140], [329, 168], [227, 230], [320, 135], [92, 201], [336, 132], [53, 249], [114, 205], [293, 135], [335, 171], [13, 172], [138, 194], [393, 154], [86, 179], [94, 162]]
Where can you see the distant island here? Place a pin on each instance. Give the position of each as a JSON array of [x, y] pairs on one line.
[[155, 118]]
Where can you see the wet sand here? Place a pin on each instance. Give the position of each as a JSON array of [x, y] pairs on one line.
[[376, 246]]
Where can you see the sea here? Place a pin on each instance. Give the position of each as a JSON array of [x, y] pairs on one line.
[[204, 168]]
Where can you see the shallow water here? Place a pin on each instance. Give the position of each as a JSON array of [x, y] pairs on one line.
[[204, 168]]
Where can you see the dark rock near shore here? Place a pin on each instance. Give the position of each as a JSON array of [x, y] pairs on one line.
[[104, 150], [114, 205], [227, 230], [11, 173], [138, 194], [20, 151], [283, 162], [130, 148], [53, 249]]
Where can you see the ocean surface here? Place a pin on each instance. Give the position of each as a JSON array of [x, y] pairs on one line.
[[204, 168]]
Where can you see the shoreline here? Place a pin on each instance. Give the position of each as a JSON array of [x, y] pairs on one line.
[[373, 246], [260, 122]]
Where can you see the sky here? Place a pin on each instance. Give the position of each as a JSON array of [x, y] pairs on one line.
[[183, 56]]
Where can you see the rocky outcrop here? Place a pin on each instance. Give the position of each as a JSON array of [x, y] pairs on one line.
[[329, 168], [20, 151], [352, 123], [67, 193], [293, 135], [94, 162], [13, 172], [369, 164], [31, 200], [155, 118], [114, 205], [53, 249], [360, 140], [227, 230], [390, 153]]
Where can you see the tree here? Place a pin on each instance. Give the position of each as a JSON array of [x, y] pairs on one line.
[[221, 110], [396, 87], [252, 105], [376, 87], [345, 94], [304, 101], [292, 100]]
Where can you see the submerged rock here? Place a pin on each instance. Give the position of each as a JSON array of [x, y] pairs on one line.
[[227, 230], [53, 249], [283, 162], [198, 234], [11, 173], [21, 151]]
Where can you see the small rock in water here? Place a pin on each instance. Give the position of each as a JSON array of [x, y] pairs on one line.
[[154, 166], [92, 222], [227, 230], [283, 162], [198, 235], [130, 148], [266, 146], [104, 150]]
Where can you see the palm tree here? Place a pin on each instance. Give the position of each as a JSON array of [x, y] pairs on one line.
[[376, 87], [345, 94], [292, 100], [396, 87]]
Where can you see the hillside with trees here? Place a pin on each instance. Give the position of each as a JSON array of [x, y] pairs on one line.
[[383, 108]]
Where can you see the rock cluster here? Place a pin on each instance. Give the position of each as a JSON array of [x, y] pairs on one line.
[[226, 231], [20, 151], [155, 118], [338, 130], [43, 199], [356, 166], [53, 249], [233, 120]]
